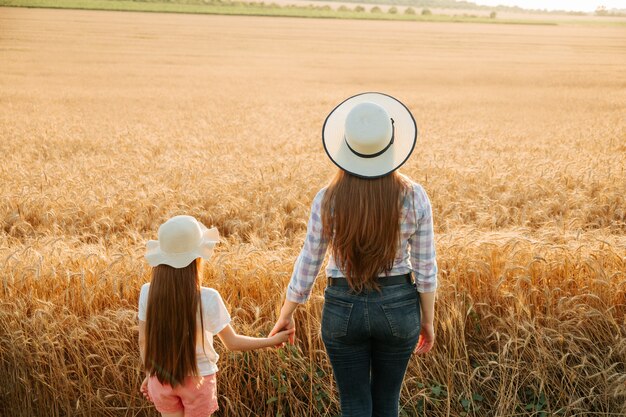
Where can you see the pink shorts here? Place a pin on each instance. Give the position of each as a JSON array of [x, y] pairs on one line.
[[197, 396]]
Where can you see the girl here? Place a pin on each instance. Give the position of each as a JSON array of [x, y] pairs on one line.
[[378, 224], [178, 318]]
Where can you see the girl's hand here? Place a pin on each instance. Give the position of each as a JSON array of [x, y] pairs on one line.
[[285, 324], [144, 388], [282, 336], [426, 340]]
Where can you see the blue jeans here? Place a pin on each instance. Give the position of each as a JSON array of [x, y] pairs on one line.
[[369, 338]]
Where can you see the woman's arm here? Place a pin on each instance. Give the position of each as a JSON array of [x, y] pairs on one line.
[[311, 257], [285, 320], [424, 262], [305, 270], [234, 341], [422, 243], [427, 331], [427, 304]]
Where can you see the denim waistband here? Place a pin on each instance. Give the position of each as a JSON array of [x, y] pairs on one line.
[[382, 281]]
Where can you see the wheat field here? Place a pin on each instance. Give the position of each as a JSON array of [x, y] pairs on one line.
[[112, 122]]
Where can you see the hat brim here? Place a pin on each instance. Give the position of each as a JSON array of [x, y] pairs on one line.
[[379, 166], [155, 256]]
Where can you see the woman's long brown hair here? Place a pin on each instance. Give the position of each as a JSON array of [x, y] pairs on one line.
[[173, 303], [361, 220]]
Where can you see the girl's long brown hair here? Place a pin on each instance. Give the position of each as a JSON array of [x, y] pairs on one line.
[[173, 303], [361, 220]]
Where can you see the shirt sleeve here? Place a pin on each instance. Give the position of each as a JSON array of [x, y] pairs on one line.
[[422, 242], [216, 315], [143, 302], [309, 262]]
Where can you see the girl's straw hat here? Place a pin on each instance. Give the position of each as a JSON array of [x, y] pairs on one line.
[[182, 239], [369, 135]]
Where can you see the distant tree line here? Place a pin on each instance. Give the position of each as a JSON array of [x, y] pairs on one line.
[[602, 11], [424, 5]]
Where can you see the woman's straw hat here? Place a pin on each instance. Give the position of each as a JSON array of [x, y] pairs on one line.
[[182, 239], [369, 135]]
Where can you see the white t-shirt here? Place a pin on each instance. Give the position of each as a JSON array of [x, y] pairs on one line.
[[215, 316]]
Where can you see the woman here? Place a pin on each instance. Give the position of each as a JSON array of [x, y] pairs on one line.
[[378, 225]]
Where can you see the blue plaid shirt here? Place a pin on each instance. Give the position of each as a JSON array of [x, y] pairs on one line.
[[416, 252]]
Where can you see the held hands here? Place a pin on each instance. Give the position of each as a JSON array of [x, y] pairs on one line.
[[284, 325], [282, 336], [426, 340]]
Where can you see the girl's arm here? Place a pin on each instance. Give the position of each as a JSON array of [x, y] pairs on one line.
[[234, 341], [142, 340], [142, 354]]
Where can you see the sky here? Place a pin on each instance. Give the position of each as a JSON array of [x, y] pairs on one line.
[[574, 5]]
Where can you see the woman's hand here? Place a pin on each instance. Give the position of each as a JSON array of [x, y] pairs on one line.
[[285, 324], [144, 388], [426, 340]]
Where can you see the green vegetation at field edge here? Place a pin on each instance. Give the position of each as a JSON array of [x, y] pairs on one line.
[[256, 9]]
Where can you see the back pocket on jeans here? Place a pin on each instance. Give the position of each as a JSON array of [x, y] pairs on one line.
[[403, 317], [335, 318]]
